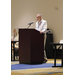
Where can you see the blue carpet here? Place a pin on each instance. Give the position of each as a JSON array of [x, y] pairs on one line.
[[28, 66]]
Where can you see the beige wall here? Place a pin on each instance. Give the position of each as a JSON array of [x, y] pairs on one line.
[[24, 11]]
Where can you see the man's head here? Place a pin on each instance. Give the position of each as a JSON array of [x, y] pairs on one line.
[[39, 17], [14, 31]]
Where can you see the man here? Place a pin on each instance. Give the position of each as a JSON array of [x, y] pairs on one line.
[[14, 35], [15, 38], [41, 25]]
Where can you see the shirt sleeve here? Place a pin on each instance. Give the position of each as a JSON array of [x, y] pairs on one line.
[[36, 27], [44, 27]]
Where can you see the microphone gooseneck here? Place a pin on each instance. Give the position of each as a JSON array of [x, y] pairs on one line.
[[29, 24]]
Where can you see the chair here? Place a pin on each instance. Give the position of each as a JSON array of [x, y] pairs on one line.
[[16, 52], [17, 49]]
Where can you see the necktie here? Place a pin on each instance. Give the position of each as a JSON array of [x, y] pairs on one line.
[[39, 23]]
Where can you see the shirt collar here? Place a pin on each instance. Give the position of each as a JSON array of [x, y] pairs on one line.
[[40, 21]]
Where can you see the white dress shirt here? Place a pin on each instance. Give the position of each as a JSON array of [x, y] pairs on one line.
[[41, 26]]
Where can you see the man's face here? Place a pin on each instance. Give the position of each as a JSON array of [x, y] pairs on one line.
[[38, 18], [14, 31]]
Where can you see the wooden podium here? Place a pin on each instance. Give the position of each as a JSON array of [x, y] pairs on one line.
[[31, 46]]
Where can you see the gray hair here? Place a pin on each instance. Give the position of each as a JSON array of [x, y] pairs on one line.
[[39, 15]]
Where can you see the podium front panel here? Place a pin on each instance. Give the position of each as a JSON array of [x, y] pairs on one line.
[[31, 46]]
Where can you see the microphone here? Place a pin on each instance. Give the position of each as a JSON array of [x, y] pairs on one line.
[[30, 23]]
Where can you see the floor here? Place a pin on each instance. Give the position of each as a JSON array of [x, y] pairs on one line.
[[39, 71]]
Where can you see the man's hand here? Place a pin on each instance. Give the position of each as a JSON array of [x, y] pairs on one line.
[[41, 32]]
